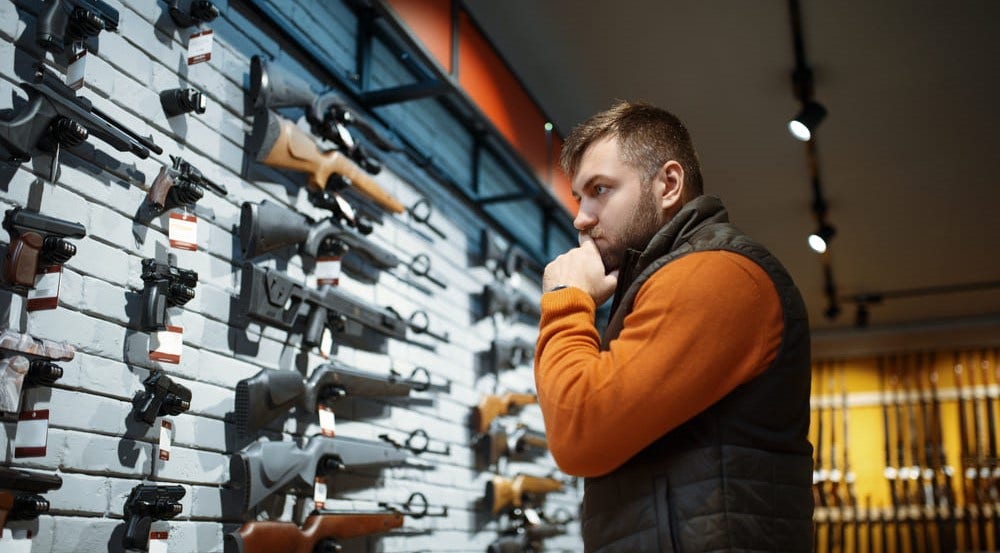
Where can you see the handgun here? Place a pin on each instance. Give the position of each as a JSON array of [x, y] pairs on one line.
[[36, 241]]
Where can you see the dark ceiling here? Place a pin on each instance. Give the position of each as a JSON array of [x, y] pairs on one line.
[[908, 152]]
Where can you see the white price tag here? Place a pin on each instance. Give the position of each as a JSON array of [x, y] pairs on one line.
[[32, 433], [327, 421], [200, 46], [326, 343], [158, 540], [76, 69], [319, 492], [15, 541], [166, 345], [182, 230], [166, 434], [328, 271], [45, 294]]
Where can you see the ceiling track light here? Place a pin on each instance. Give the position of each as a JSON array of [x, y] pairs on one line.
[[806, 122], [819, 241]]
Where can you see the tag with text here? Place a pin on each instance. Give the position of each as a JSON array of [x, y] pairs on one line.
[[45, 294], [327, 421], [166, 434], [200, 46], [158, 540], [319, 492], [166, 345], [76, 69], [32, 433], [182, 230], [328, 270]]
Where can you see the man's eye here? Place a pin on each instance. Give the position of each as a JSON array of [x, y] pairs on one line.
[[600, 189]]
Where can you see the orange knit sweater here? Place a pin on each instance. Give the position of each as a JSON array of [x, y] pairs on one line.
[[701, 326]]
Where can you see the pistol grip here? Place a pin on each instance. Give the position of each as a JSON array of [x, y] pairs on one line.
[[50, 27], [154, 307], [315, 324], [158, 191], [21, 262], [137, 532]]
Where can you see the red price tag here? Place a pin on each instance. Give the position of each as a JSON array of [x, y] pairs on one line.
[[200, 46], [166, 345], [32, 433], [45, 294], [182, 230]]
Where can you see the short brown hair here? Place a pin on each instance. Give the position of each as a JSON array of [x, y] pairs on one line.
[[647, 136]]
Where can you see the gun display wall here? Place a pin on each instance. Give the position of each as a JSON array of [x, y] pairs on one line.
[[244, 319], [906, 453]]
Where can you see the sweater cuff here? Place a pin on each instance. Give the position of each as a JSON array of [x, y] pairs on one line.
[[566, 299]]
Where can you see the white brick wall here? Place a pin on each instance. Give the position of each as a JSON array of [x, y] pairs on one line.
[[94, 441]]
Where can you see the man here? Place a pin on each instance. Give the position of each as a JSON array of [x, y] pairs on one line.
[[689, 417]]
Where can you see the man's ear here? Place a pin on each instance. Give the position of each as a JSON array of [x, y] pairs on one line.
[[671, 175]]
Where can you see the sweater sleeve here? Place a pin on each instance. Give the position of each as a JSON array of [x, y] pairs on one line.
[[701, 326]]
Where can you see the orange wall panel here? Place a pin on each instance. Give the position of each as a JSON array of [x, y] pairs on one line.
[[430, 20], [487, 80]]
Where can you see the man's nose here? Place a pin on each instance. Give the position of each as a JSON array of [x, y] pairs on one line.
[[584, 220]]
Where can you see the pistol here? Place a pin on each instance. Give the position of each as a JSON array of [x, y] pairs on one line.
[[36, 241], [29, 361], [180, 185], [64, 22], [166, 286], [188, 13], [162, 397], [19, 489], [148, 503]]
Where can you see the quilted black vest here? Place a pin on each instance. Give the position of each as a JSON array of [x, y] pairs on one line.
[[738, 476]]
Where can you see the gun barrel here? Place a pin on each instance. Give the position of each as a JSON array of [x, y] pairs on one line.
[[23, 220], [28, 481]]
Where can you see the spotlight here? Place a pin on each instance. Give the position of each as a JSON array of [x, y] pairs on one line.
[[820, 239], [807, 120]]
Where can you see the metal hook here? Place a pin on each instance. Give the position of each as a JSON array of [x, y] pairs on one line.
[[420, 265], [418, 447], [419, 322], [421, 213]]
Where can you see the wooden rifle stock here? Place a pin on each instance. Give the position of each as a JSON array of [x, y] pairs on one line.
[[492, 406], [509, 492], [6, 506], [289, 147], [266, 536]]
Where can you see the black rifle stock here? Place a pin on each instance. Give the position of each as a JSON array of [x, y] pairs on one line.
[[265, 468], [505, 300], [320, 532], [146, 504], [63, 22], [162, 397], [180, 185], [270, 393], [272, 298], [266, 226], [19, 489], [511, 353], [36, 241], [56, 117], [165, 286], [188, 13]]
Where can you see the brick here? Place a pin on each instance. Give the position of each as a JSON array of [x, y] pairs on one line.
[[192, 466]]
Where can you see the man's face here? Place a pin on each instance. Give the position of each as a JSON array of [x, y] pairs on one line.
[[616, 209]]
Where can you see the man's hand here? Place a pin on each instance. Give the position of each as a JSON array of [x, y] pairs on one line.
[[582, 268]]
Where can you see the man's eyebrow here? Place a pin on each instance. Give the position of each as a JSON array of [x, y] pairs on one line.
[[590, 183]]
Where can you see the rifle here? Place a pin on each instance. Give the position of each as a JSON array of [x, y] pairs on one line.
[[328, 115], [320, 532], [945, 510], [264, 468], [66, 22], [267, 226], [511, 353], [31, 363], [56, 117], [891, 471], [903, 471], [834, 540], [162, 397], [146, 504], [969, 473], [189, 13], [526, 533], [19, 489], [988, 463], [498, 298], [518, 492], [165, 286], [851, 499], [984, 509], [272, 298], [36, 242], [492, 406], [270, 393], [281, 143], [180, 185], [514, 441], [917, 513]]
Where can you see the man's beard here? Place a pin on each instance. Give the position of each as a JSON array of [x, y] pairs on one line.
[[643, 222]]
